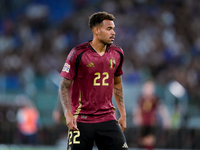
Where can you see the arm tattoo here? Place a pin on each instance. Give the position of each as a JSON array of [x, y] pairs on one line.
[[119, 93], [64, 94]]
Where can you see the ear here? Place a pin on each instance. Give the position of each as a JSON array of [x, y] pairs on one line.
[[96, 30]]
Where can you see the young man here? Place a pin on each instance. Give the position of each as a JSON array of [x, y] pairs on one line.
[[146, 115], [93, 70]]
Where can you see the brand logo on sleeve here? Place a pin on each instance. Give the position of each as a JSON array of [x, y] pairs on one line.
[[66, 67]]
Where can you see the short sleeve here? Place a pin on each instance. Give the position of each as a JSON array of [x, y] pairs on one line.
[[119, 70], [69, 70]]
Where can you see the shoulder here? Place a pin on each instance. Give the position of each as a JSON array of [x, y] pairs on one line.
[[117, 48], [82, 46], [77, 50]]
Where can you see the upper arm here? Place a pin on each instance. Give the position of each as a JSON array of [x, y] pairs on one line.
[[69, 68], [117, 80], [119, 71]]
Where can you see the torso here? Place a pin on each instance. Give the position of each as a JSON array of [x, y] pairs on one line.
[[93, 76]]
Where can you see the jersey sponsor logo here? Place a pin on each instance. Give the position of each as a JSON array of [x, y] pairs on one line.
[[91, 64], [112, 63], [84, 116], [125, 145], [66, 67]]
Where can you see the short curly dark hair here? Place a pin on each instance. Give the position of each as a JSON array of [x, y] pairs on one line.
[[97, 18]]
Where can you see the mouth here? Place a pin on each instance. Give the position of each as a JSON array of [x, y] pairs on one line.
[[112, 38]]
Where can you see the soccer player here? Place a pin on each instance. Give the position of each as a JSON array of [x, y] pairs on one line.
[[146, 115], [94, 70]]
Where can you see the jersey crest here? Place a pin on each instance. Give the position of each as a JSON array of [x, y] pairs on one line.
[[112, 63]]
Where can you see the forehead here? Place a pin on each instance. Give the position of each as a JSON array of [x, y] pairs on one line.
[[108, 23]]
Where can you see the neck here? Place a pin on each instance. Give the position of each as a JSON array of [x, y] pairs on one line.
[[99, 47]]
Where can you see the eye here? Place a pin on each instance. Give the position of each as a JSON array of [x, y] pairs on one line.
[[110, 29]]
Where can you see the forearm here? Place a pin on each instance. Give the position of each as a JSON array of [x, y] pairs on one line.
[[118, 94], [65, 100], [64, 94]]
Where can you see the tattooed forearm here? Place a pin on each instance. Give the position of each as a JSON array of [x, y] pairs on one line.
[[119, 95], [64, 94]]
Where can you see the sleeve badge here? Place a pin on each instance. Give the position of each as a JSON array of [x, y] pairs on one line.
[[66, 67]]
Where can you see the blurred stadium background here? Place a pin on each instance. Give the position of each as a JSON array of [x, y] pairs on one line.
[[160, 39]]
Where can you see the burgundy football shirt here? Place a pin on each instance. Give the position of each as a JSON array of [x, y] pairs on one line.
[[93, 79], [149, 106]]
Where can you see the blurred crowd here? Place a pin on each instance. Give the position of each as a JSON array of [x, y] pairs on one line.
[[160, 38]]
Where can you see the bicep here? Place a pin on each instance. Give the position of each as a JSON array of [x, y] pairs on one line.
[[117, 80]]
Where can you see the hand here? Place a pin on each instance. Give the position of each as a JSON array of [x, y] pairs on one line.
[[71, 121], [122, 123]]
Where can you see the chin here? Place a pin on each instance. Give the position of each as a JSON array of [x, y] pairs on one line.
[[109, 43]]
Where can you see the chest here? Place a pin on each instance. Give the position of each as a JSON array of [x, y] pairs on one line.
[[149, 105], [93, 62]]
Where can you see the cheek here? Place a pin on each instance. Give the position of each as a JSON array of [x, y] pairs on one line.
[[104, 34]]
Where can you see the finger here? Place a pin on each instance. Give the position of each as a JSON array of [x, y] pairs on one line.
[[75, 125], [75, 128], [70, 125], [122, 128]]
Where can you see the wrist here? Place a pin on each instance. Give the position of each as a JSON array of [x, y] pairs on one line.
[[67, 112], [123, 115]]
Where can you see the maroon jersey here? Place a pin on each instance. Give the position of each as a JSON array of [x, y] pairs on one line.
[[149, 106], [93, 80]]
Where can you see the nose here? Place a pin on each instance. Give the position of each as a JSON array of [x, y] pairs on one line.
[[113, 33]]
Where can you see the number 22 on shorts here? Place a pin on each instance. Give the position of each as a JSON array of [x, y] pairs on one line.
[[73, 135]]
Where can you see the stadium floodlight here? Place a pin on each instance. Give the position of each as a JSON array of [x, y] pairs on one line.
[[177, 89]]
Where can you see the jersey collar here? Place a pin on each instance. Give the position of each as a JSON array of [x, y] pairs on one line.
[[93, 50]]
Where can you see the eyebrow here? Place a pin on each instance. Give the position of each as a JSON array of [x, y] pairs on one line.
[[110, 27]]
